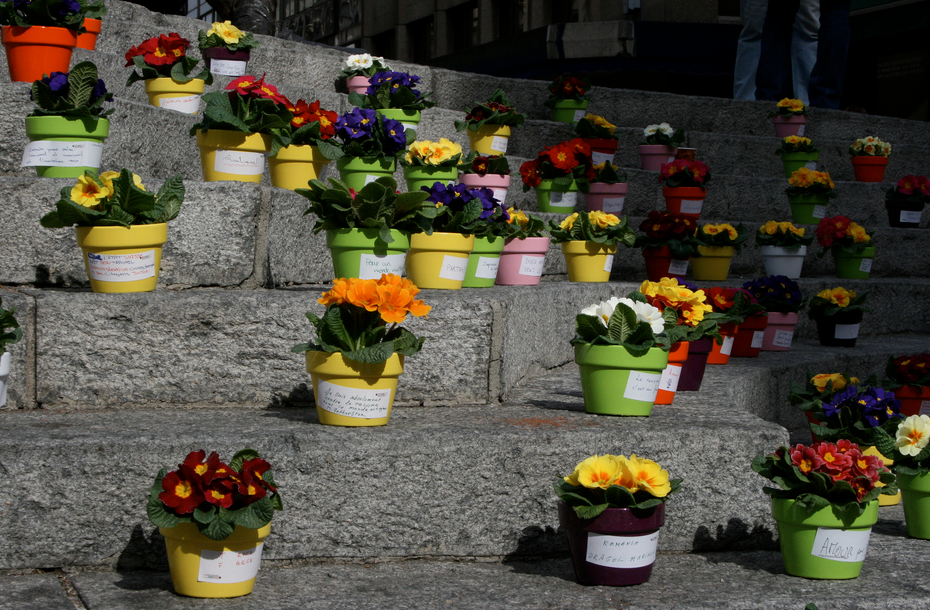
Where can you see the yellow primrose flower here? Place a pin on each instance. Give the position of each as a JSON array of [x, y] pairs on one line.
[[517, 216], [913, 434], [858, 233], [88, 192], [788, 227], [648, 476], [597, 471], [566, 224], [821, 381], [839, 296], [600, 220], [600, 121], [107, 179], [226, 31], [770, 227]]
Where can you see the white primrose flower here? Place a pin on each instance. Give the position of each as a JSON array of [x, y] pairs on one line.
[[666, 129], [913, 434], [360, 62], [645, 312], [650, 130]]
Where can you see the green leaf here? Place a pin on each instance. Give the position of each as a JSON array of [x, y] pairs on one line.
[[622, 323], [159, 516], [256, 515], [241, 456], [204, 516], [218, 529], [590, 512]]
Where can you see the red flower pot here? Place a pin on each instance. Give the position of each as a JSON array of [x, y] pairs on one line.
[[685, 200], [660, 264], [721, 352], [37, 50], [603, 149], [867, 168], [693, 370], [749, 338], [669, 382], [914, 400]]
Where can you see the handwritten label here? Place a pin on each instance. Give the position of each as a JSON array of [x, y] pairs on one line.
[[621, 551], [531, 266], [499, 144], [848, 546], [228, 67], [783, 338], [353, 402], [801, 130], [500, 194], [678, 267], [691, 206], [671, 159], [757, 341], [229, 566], [579, 115], [819, 211], [613, 205], [239, 163], [846, 331], [563, 200], [121, 267], [62, 154], [727, 345], [866, 264], [188, 104], [487, 267], [599, 157], [372, 266], [454, 268], [609, 262], [670, 379], [906, 216], [925, 408], [642, 386], [812, 165]]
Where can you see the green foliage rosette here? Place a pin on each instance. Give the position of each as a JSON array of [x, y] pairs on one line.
[[593, 226], [632, 323], [165, 57], [47, 13], [477, 163], [496, 110], [522, 226], [78, 94]]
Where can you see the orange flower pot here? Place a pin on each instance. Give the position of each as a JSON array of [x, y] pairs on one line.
[[868, 168], [721, 352], [914, 400], [685, 200], [670, 380], [37, 50], [88, 40]]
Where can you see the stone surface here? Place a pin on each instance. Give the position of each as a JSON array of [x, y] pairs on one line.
[[33, 591], [21, 389]]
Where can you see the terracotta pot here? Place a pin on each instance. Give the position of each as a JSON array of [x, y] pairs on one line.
[[685, 200], [721, 352], [867, 168], [914, 400]]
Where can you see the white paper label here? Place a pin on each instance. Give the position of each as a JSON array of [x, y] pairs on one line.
[[678, 267], [670, 378], [812, 165], [613, 205], [642, 386], [783, 338], [621, 551], [801, 130], [757, 341], [848, 546], [727, 345], [670, 159], [866, 264], [372, 266], [487, 268], [579, 115], [229, 566], [499, 144], [228, 67], [239, 163], [906, 216], [609, 262], [925, 408], [370, 178], [66, 154], [599, 157], [819, 211], [353, 402], [563, 200], [531, 266], [691, 206], [500, 194], [121, 267], [454, 268], [188, 104], [846, 331], [411, 126]]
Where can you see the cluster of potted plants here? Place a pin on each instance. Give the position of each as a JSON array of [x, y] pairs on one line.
[[40, 35]]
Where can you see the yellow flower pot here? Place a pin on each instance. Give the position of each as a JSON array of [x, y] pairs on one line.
[[489, 139], [884, 500], [294, 166], [350, 393], [167, 93], [713, 264], [233, 155], [588, 261], [439, 260], [194, 560], [119, 260]]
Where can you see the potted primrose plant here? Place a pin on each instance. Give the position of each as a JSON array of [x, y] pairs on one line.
[[167, 70], [850, 244], [659, 146], [600, 136], [568, 98], [911, 472], [427, 162], [685, 185], [40, 36], [666, 244], [907, 377], [797, 152], [488, 124], [558, 174], [490, 232], [394, 95], [354, 78], [906, 201], [781, 297], [869, 157], [369, 146], [226, 48], [607, 189], [808, 194], [10, 333], [783, 247], [790, 117], [524, 252], [486, 171], [837, 313], [300, 158], [589, 242], [716, 245]]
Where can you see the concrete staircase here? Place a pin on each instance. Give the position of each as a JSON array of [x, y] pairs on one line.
[[108, 388]]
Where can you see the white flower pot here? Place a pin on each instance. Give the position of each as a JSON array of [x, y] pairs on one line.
[[4, 376], [784, 261]]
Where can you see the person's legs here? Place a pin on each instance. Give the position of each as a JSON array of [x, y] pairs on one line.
[[752, 17], [804, 46], [827, 78], [774, 74]]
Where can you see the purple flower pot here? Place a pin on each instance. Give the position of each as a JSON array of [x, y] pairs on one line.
[[693, 371]]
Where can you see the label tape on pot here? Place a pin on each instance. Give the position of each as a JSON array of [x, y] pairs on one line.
[[372, 266], [579, 115], [229, 566], [563, 200], [531, 266], [819, 211], [642, 386], [670, 379], [613, 205], [411, 126], [846, 331], [691, 206], [500, 194], [848, 546], [906, 216], [228, 67], [599, 157], [454, 268], [925, 408], [866, 265], [188, 104], [353, 402], [621, 551], [609, 262], [670, 159], [487, 267], [757, 341], [727, 345], [62, 154], [499, 145], [121, 267], [678, 267], [783, 338], [370, 178], [801, 130], [240, 163], [812, 165]]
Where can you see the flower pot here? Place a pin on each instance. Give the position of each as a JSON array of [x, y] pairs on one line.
[[417, 177], [693, 369], [784, 261], [356, 172], [819, 545], [498, 183], [607, 198], [840, 330], [36, 50], [687, 154], [603, 149], [652, 156], [915, 502], [904, 214], [569, 111], [669, 382], [808, 209], [357, 84], [914, 400], [4, 375], [522, 261], [409, 118], [232, 155], [660, 264], [483, 262], [361, 253], [489, 139], [854, 266], [588, 261], [777, 336], [119, 260], [295, 166], [556, 198], [685, 200], [616, 548], [796, 160], [439, 260], [790, 125], [224, 62], [182, 97], [867, 168], [721, 352], [63, 147], [616, 383], [749, 338], [202, 567], [88, 40], [713, 264], [350, 393]]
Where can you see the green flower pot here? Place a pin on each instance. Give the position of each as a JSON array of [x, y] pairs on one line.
[[65, 144], [854, 266], [556, 198], [409, 118], [616, 383], [356, 172], [361, 253], [915, 501], [419, 176], [483, 262], [794, 161], [808, 209], [569, 111]]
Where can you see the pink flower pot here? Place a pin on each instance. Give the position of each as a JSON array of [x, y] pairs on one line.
[[521, 262], [789, 125], [498, 183], [777, 336], [652, 156], [607, 198], [357, 84]]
